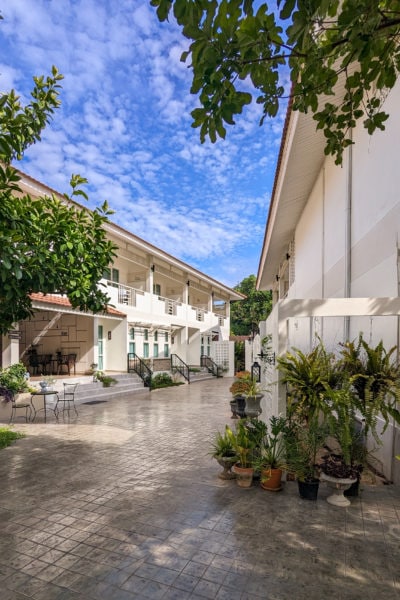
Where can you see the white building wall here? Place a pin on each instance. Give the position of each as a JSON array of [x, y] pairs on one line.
[[372, 189]]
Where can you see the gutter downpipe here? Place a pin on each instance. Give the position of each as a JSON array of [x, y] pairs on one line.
[[394, 428], [348, 238]]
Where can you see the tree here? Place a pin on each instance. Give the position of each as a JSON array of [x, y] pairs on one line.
[[354, 43], [246, 314], [47, 245]]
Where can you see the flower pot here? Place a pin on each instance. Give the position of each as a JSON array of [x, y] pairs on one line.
[[271, 479], [234, 408], [353, 490], [338, 486], [241, 406], [252, 407], [244, 475], [226, 463], [308, 490], [43, 385]]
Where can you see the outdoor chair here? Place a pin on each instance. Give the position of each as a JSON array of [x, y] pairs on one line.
[[68, 398], [34, 364], [23, 403], [68, 361]]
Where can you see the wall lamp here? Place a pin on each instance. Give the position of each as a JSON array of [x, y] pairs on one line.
[[268, 357]]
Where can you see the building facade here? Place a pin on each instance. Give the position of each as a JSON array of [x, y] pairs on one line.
[[331, 249], [159, 306]]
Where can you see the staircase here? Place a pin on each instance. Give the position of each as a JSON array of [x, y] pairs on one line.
[[90, 391], [128, 383], [200, 375]]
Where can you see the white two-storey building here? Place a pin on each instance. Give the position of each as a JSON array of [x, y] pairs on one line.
[[160, 306]]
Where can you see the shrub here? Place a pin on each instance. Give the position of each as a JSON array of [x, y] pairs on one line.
[[8, 436]]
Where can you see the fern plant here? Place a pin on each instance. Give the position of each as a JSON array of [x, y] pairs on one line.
[[375, 378], [308, 376]]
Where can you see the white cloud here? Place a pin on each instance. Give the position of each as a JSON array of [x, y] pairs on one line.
[[125, 124]]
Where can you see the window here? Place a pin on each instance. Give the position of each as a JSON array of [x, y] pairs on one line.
[[155, 350], [132, 349], [166, 350], [157, 289], [146, 334], [132, 333], [111, 275], [145, 350], [166, 336], [156, 336]]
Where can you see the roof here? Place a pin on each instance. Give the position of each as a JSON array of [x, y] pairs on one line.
[[62, 301], [119, 231], [301, 157]]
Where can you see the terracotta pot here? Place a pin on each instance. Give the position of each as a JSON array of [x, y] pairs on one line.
[[271, 479], [244, 475]]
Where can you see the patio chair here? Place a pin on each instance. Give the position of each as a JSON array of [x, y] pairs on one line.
[[21, 402], [68, 361], [68, 398], [34, 364]]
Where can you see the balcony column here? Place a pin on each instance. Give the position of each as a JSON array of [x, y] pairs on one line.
[[211, 302], [150, 277]]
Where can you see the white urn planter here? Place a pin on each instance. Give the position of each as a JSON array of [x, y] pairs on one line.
[[337, 498]]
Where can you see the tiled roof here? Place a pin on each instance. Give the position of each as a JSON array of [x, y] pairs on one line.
[[63, 301]]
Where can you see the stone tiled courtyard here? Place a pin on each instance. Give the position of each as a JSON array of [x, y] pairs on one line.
[[124, 503]]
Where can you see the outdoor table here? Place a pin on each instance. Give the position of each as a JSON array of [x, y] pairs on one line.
[[44, 393]]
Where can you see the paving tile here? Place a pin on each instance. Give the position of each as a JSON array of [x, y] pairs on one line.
[[138, 512]]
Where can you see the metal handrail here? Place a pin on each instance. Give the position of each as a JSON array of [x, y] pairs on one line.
[[178, 365], [137, 365], [210, 364]]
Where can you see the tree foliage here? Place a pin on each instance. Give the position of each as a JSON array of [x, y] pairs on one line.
[[46, 245], [239, 44], [247, 314]]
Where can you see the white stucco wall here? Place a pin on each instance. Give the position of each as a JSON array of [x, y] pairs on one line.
[[369, 183]]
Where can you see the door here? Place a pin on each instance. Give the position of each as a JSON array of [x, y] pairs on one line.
[[100, 347]]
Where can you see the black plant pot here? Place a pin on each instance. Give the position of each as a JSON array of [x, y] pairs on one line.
[[308, 490], [353, 490], [241, 406]]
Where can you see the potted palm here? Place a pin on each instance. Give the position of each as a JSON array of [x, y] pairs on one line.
[[224, 453], [272, 458], [303, 444], [244, 445]]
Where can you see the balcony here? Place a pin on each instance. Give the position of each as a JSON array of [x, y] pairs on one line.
[[152, 307]]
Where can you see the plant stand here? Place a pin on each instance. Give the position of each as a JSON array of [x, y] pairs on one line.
[[226, 463], [338, 486]]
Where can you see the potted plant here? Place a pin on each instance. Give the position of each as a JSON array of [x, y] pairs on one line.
[[13, 382], [239, 389], [224, 453], [243, 444], [342, 466], [308, 376], [106, 380], [253, 398], [272, 459], [303, 444]]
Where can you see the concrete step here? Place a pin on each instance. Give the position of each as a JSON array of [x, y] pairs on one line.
[[89, 391], [201, 375]]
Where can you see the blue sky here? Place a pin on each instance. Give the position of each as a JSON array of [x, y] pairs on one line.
[[125, 125]]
